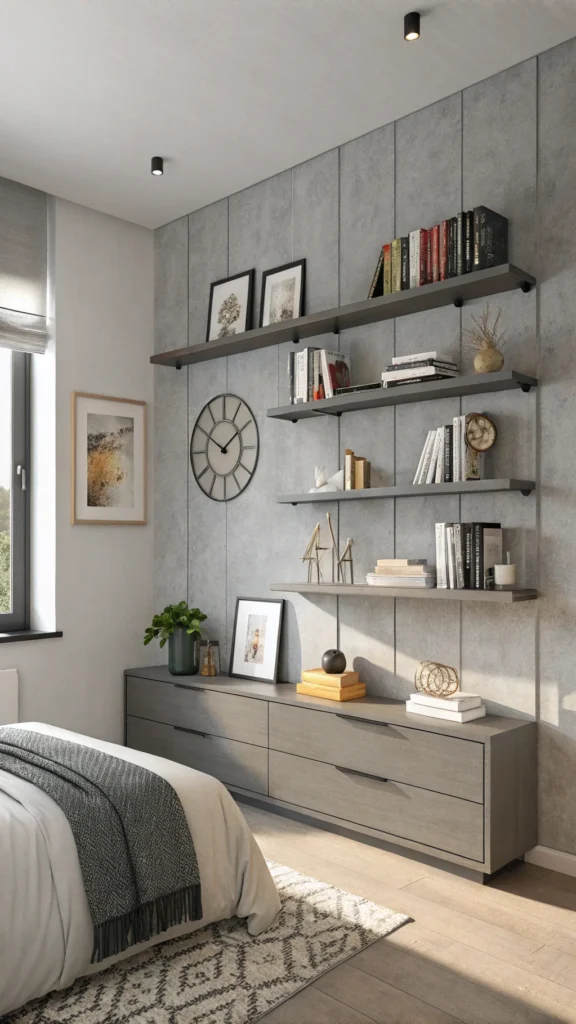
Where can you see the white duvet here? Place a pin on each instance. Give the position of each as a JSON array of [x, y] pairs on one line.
[[45, 926]]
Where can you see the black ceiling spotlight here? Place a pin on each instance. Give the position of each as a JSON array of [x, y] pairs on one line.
[[157, 165], [411, 26]]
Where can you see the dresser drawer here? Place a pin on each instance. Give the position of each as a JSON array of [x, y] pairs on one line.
[[220, 714], [413, 756], [237, 764], [151, 737], [432, 819]]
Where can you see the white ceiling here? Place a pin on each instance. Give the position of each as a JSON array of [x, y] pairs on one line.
[[229, 91]]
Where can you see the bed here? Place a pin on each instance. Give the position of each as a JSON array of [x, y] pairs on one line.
[[46, 933]]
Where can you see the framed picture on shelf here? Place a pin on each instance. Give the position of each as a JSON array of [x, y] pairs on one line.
[[108, 460], [230, 309], [283, 293], [256, 639]]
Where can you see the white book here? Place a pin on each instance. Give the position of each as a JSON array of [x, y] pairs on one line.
[[401, 582], [441, 563], [450, 716], [456, 449], [422, 457], [434, 460], [439, 475], [414, 260], [459, 701], [419, 357], [427, 458], [450, 557], [301, 360]]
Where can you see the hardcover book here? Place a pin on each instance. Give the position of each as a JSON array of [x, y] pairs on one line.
[[397, 265], [447, 715], [377, 286], [490, 238], [387, 269], [335, 371]]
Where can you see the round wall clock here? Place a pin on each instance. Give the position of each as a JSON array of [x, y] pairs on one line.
[[480, 432], [224, 447]]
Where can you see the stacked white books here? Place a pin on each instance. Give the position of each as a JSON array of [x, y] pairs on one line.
[[402, 572], [418, 368], [460, 707]]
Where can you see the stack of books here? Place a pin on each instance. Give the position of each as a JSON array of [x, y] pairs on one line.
[[472, 240], [402, 572], [460, 707], [356, 471], [466, 554], [446, 456], [316, 373], [331, 686], [418, 368]]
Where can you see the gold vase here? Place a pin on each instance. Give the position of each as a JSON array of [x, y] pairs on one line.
[[488, 360]]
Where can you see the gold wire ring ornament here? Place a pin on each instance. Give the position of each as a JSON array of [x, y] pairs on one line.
[[435, 679]]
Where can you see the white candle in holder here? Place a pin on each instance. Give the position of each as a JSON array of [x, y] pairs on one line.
[[505, 575]]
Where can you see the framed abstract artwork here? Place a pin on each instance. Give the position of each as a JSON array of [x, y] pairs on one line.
[[108, 460], [283, 293], [230, 308], [256, 639]]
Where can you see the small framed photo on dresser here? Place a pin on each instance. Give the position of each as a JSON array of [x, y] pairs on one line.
[[256, 639], [283, 293], [230, 308]]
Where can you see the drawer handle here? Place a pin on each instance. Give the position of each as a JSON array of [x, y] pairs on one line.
[[183, 686], [195, 732], [363, 775], [356, 718]]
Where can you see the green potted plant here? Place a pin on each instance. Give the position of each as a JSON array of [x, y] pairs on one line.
[[180, 626]]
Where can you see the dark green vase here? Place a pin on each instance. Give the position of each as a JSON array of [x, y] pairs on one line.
[[183, 653]]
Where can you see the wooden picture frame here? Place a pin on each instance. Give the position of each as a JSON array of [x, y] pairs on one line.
[[109, 460], [283, 292], [253, 655], [222, 292]]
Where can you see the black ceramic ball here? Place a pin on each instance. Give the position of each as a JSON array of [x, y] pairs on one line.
[[334, 662]]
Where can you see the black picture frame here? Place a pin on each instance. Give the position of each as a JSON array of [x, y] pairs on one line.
[[249, 301], [255, 678], [267, 274]]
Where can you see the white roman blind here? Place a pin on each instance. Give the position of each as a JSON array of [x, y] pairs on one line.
[[23, 332]]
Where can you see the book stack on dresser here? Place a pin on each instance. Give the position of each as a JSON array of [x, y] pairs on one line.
[[331, 685], [459, 707]]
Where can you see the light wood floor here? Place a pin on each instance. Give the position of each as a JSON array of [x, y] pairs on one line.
[[503, 953]]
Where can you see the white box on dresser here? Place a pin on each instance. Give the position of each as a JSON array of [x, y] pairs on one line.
[[462, 793]]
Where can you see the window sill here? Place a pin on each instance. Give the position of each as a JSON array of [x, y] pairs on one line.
[[28, 634]]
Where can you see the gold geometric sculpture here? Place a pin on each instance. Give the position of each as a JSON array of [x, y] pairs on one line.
[[435, 679]]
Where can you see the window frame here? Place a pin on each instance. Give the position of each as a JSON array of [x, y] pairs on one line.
[[19, 617]]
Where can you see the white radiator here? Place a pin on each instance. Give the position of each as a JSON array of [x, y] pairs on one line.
[[8, 696]]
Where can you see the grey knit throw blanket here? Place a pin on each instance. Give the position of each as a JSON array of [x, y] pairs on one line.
[[135, 850]]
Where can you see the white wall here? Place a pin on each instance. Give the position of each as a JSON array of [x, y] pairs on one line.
[[103, 294]]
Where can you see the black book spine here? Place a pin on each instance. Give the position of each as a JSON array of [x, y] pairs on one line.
[[418, 380], [448, 454], [404, 263], [490, 238], [459, 244], [468, 242], [291, 357], [476, 556], [377, 286], [467, 545], [453, 253]]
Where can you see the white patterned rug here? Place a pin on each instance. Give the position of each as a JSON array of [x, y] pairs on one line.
[[221, 974]]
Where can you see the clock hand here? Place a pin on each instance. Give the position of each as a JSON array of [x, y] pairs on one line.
[[225, 448], [218, 445]]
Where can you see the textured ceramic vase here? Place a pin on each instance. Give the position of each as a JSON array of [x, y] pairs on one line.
[[488, 360], [334, 662], [183, 653]]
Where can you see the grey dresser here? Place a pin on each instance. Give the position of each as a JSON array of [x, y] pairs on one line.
[[462, 793]]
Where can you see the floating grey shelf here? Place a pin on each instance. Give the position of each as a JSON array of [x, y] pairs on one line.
[[452, 387], [410, 491], [456, 290], [364, 590]]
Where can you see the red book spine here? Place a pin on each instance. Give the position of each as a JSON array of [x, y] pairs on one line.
[[443, 254], [424, 233], [435, 252]]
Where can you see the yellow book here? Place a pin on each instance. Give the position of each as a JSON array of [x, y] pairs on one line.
[[321, 678], [332, 692]]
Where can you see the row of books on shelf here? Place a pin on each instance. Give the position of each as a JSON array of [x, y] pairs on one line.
[[472, 240], [316, 373], [447, 457], [460, 707], [466, 554]]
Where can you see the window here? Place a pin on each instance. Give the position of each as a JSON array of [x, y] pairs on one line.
[[14, 519]]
